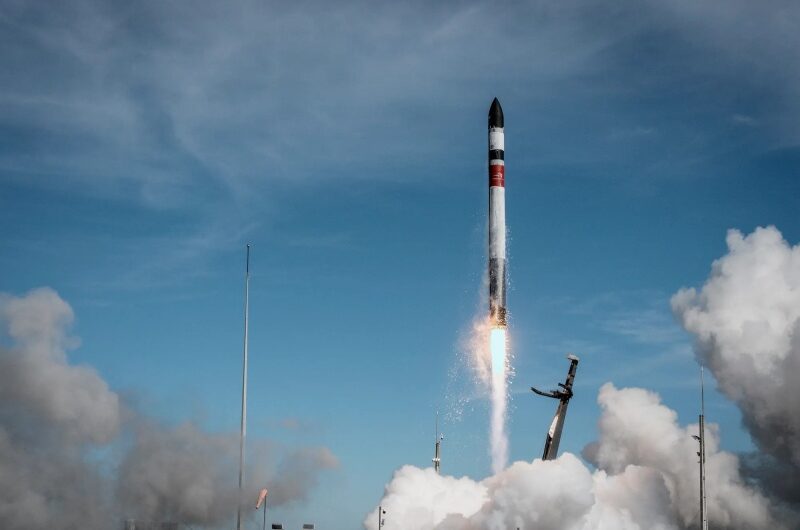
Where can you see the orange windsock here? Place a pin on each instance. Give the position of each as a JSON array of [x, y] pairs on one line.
[[262, 496]]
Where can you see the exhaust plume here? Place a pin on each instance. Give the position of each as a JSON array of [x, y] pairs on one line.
[[487, 354], [499, 389]]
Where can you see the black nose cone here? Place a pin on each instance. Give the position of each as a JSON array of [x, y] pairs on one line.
[[496, 114]]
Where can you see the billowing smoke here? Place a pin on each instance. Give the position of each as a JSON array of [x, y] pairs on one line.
[[62, 429], [746, 321], [175, 475], [50, 413], [746, 324], [36, 379], [646, 478], [636, 430], [298, 472]]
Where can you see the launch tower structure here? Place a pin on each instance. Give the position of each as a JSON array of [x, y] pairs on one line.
[[563, 395]]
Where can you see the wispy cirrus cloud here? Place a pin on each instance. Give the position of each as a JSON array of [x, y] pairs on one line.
[[188, 103]]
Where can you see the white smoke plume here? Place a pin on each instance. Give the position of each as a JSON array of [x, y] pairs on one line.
[[498, 348], [646, 478], [637, 430], [746, 325], [498, 437], [62, 427]]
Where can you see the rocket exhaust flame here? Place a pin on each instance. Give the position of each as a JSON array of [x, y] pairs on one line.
[[497, 347]]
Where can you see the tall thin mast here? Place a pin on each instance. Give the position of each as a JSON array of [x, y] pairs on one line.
[[243, 430], [703, 505], [437, 460]]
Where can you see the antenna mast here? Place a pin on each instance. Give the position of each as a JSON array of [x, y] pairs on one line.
[[701, 438], [437, 460], [703, 505], [243, 431]]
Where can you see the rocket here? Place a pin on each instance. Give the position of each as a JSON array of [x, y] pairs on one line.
[[497, 217]]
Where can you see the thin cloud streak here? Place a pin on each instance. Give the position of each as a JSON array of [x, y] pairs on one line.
[[175, 104]]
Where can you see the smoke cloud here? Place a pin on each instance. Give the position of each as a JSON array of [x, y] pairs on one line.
[[646, 478], [746, 324], [298, 473], [74, 456], [35, 375], [637, 430], [175, 475]]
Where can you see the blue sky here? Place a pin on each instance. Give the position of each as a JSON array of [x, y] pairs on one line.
[[142, 146]]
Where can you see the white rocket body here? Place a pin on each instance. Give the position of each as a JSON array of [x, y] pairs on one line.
[[497, 217]]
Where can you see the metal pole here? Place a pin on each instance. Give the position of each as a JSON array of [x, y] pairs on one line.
[[436, 453], [703, 505], [243, 430]]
